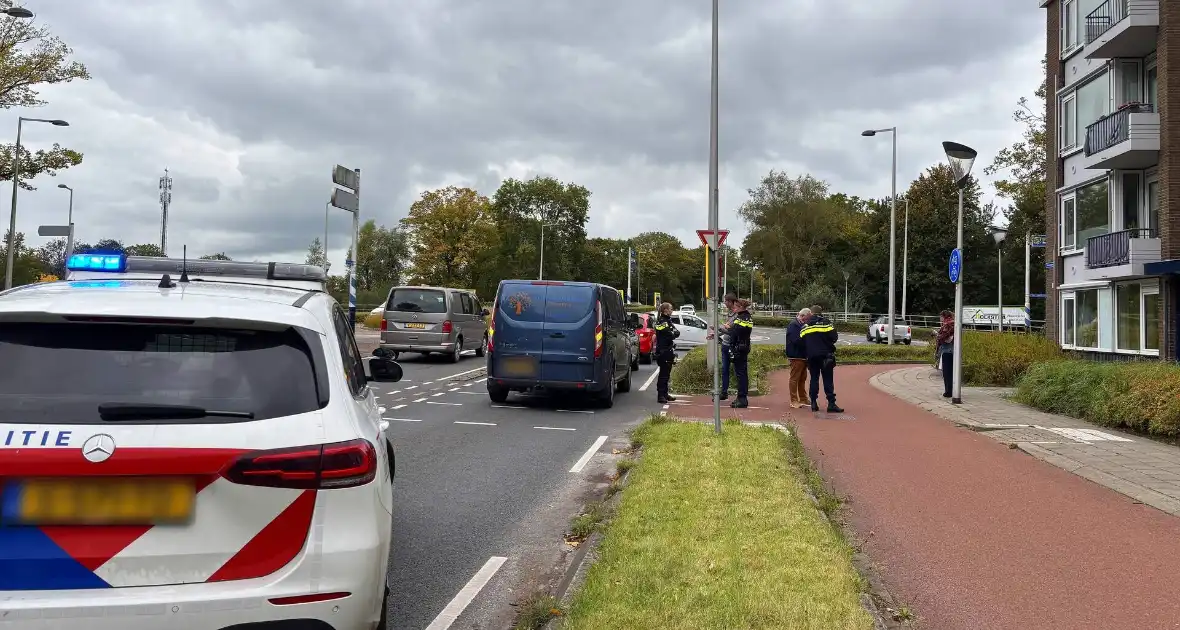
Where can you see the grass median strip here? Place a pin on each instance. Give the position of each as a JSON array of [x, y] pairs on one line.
[[718, 532]]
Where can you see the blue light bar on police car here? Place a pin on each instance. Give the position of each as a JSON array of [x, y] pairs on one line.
[[97, 262]]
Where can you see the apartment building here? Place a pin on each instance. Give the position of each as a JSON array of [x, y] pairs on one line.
[[1113, 177]]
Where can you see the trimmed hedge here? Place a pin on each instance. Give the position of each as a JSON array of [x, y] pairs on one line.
[[692, 376], [855, 328], [994, 359], [371, 320], [1139, 395]]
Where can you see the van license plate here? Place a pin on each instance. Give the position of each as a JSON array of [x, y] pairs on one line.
[[98, 501], [519, 367], [416, 325]]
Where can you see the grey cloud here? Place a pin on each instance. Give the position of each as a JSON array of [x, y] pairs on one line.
[[413, 91]]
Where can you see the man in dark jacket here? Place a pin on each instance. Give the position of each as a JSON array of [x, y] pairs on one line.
[[666, 334], [819, 342], [797, 353]]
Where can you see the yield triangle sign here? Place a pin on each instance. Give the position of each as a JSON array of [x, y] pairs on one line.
[[712, 238]]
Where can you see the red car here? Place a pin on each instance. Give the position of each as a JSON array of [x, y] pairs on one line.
[[647, 337]]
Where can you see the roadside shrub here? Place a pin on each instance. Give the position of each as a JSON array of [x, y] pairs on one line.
[[1143, 396], [993, 359], [815, 293], [371, 320], [692, 376]]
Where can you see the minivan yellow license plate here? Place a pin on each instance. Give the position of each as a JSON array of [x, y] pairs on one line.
[[101, 501], [416, 325], [519, 367]]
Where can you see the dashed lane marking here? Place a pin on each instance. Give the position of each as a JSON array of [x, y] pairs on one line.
[[420, 400], [403, 419], [556, 428], [482, 424], [431, 402], [399, 406], [588, 455], [438, 394], [573, 411], [467, 594], [650, 379]]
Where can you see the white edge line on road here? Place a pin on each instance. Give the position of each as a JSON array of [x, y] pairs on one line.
[[556, 428], [431, 402], [482, 424], [585, 459], [650, 379], [399, 406], [447, 378], [467, 594], [403, 419], [574, 411], [508, 407], [473, 393]]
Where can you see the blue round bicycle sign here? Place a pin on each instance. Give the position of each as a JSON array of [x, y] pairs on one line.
[[956, 266]]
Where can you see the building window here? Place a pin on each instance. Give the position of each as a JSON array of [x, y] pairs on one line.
[[1093, 211], [1093, 100], [1067, 322], [1128, 317], [1153, 207], [1137, 318], [1131, 195], [1086, 318], [1068, 223], [1068, 123], [1153, 85], [1151, 320], [1128, 78], [1069, 25]]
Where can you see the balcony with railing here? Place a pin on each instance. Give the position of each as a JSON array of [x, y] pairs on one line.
[[1122, 28], [1121, 254], [1126, 139]]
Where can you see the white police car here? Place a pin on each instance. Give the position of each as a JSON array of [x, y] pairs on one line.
[[189, 445]]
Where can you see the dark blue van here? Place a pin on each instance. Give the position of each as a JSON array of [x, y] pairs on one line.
[[560, 336]]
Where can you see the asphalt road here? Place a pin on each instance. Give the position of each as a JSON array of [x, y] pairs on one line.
[[483, 493]]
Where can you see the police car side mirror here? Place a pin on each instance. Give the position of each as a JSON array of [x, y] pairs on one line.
[[382, 369]]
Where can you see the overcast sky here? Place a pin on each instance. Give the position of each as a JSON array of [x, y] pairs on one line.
[[250, 103]]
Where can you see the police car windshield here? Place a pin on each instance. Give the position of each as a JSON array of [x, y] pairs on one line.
[[64, 373]]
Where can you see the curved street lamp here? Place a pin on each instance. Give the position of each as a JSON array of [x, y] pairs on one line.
[[960, 158], [999, 234], [892, 226], [18, 12]]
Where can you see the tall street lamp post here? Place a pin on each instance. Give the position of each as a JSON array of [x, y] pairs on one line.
[[1000, 234], [714, 222], [960, 157], [69, 222], [892, 226], [905, 256], [16, 186], [541, 267]]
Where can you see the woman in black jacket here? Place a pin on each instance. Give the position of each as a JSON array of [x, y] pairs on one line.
[[739, 335]]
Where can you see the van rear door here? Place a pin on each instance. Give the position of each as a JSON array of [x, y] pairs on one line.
[[569, 342], [519, 324]]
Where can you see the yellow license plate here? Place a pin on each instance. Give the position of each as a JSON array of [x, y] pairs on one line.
[[104, 501], [519, 366], [416, 325]]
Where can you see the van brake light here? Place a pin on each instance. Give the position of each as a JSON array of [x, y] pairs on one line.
[[325, 466], [447, 326], [598, 330], [491, 328], [384, 324]]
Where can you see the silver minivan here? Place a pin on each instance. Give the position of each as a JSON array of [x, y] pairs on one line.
[[433, 320]]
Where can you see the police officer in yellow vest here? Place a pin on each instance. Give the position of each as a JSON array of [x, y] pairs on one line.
[[666, 334], [739, 348]]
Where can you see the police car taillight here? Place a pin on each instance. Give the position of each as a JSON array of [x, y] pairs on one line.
[[328, 466]]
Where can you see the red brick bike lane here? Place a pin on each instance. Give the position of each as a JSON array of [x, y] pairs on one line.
[[972, 535]]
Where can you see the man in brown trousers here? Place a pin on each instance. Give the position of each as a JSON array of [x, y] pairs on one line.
[[798, 357]]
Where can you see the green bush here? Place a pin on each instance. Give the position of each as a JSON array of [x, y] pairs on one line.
[[854, 328], [993, 359], [692, 376], [371, 320], [1140, 395], [638, 308]]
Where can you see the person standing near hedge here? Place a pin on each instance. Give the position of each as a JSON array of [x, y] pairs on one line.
[[666, 334], [946, 350], [724, 351], [819, 339], [796, 353], [739, 338]]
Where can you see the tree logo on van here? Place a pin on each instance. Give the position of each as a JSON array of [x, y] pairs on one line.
[[519, 302]]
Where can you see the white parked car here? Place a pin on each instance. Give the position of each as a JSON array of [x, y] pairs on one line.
[[688, 308], [878, 332], [693, 329], [190, 455]]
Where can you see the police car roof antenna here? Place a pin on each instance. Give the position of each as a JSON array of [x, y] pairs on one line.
[[184, 264]]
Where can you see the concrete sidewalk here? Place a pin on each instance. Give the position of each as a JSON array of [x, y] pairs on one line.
[[1143, 469]]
